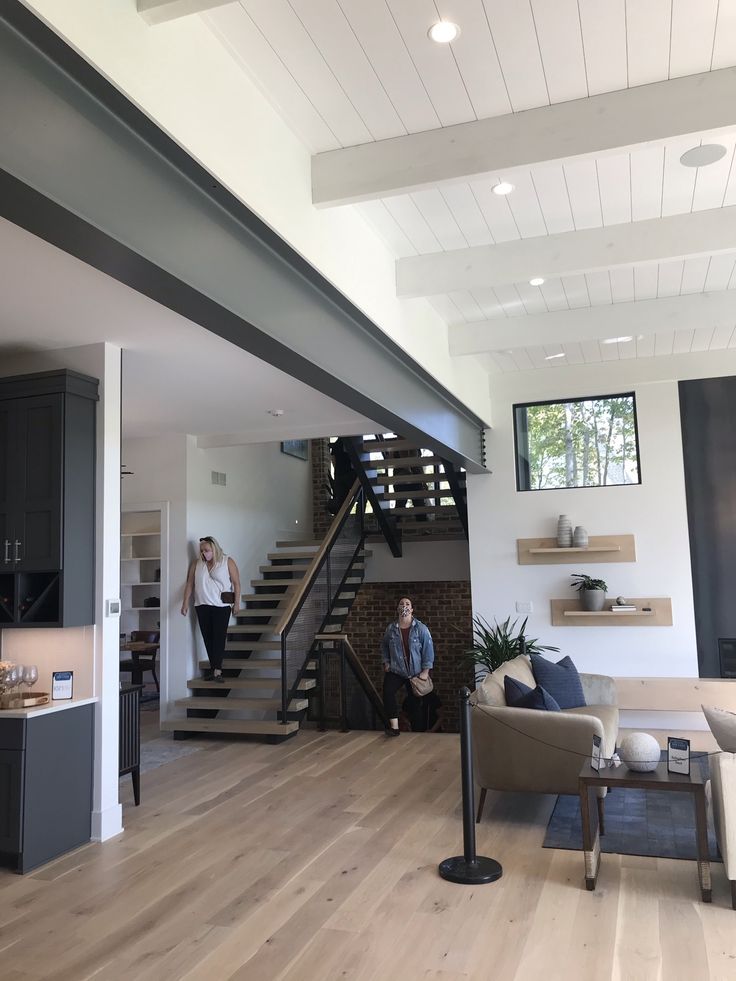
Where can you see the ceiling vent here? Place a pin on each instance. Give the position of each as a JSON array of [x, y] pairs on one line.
[[219, 478]]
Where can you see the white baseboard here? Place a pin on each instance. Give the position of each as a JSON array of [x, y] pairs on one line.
[[108, 823]]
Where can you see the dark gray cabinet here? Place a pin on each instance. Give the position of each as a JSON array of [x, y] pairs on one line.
[[47, 498], [45, 785]]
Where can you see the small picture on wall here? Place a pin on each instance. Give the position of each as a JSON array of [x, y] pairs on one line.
[[296, 447]]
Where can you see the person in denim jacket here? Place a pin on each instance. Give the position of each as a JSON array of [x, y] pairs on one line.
[[407, 651]]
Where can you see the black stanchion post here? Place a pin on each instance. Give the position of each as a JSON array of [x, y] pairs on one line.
[[469, 868]]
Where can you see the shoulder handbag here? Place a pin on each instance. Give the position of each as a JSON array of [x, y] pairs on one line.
[[420, 686], [227, 596]]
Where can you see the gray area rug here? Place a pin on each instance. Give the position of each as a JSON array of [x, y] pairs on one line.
[[159, 751], [655, 823]]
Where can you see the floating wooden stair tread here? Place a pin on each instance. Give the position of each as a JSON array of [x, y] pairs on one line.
[[297, 570], [295, 554], [381, 446], [251, 663], [255, 645], [254, 727], [270, 683], [300, 543], [425, 509], [409, 461], [273, 582], [413, 478], [240, 704], [238, 663], [266, 598]]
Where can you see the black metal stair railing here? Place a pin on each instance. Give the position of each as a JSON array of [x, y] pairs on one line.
[[327, 576]]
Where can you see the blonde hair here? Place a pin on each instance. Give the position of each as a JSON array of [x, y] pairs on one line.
[[217, 554]]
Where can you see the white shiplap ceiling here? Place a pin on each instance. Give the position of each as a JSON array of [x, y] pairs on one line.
[[351, 72]]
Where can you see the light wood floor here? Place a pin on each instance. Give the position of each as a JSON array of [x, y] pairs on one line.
[[317, 859]]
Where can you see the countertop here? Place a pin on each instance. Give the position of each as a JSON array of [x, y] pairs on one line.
[[58, 706]]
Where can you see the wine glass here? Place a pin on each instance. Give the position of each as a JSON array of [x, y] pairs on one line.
[[30, 675]]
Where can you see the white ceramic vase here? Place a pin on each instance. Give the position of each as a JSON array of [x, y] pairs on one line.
[[580, 537], [564, 532]]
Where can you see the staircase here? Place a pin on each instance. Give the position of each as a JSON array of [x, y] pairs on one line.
[[248, 701], [435, 506]]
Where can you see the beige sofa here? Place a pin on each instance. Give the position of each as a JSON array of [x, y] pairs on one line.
[[722, 797], [529, 750]]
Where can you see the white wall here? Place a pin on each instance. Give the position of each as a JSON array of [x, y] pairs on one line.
[[654, 511], [266, 498], [91, 652], [184, 78], [420, 562]]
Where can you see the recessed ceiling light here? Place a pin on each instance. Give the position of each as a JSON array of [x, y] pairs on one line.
[[503, 187], [443, 31], [551, 357], [617, 340], [537, 281], [702, 156]]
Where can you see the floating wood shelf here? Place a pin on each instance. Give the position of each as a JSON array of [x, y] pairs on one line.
[[568, 613], [566, 551], [601, 548]]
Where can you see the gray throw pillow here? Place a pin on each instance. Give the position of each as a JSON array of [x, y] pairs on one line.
[[560, 680], [723, 726]]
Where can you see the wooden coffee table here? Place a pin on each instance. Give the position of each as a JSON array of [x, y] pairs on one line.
[[658, 779]]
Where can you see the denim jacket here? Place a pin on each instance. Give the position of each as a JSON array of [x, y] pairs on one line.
[[421, 649]]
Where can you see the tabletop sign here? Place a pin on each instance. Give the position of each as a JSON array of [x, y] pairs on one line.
[[62, 684], [596, 760], [678, 756]]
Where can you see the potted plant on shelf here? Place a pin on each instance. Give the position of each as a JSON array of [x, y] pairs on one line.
[[592, 591], [493, 645]]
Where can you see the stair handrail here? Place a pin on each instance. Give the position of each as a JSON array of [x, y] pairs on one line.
[[362, 676], [320, 556]]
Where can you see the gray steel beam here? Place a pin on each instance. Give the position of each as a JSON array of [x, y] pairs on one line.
[[94, 176]]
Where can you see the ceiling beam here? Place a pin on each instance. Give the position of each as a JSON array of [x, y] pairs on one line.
[[160, 11], [612, 122], [568, 253], [596, 323]]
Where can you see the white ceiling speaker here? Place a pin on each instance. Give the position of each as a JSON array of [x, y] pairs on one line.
[[703, 156], [502, 188], [443, 32]]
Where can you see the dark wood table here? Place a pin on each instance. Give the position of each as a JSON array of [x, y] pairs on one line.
[[658, 779], [143, 658]]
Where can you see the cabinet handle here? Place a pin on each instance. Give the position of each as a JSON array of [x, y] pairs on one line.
[[17, 550], [7, 550]]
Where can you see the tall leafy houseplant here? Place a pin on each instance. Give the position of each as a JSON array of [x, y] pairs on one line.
[[493, 645]]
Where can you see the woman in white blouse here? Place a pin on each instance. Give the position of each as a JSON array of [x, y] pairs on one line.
[[211, 577]]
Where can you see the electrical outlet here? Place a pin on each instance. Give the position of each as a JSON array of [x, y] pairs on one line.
[[524, 606]]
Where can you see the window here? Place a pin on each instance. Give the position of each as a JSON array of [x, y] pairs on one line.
[[586, 442]]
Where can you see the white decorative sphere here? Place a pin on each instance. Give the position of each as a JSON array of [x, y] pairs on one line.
[[640, 752]]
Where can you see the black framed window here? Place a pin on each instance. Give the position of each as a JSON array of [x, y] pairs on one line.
[[582, 442]]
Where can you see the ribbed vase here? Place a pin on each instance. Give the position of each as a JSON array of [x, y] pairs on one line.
[[564, 532], [580, 537]]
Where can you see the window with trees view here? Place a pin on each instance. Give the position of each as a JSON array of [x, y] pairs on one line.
[[587, 442]]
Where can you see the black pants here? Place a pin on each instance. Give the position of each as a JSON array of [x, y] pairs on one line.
[[213, 621], [392, 684]]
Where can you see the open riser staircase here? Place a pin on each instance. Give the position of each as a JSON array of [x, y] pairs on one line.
[[275, 648], [249, 700], [422, 494]]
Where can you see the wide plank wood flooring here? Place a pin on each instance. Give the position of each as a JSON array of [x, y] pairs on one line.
[[316, 860]]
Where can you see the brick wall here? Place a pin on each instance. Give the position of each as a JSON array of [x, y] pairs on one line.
[[444, 607], [320, 457]]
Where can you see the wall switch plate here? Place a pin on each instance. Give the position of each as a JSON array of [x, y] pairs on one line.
[[113, 608], [524, 606]]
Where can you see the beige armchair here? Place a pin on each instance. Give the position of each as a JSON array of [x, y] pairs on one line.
[[541, 752], [722, 797]]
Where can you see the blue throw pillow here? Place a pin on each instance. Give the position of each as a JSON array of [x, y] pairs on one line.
[[519, 695], [561, 680]]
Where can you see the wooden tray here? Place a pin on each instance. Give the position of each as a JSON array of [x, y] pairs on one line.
[[27, 700]]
